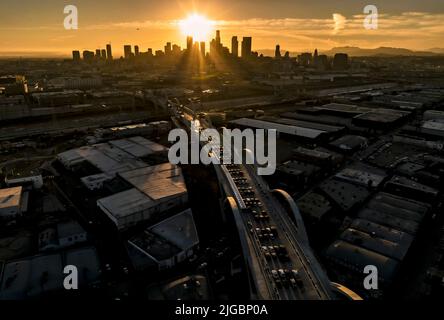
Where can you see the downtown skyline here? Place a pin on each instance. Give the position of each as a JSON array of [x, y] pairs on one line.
[[37, 29]]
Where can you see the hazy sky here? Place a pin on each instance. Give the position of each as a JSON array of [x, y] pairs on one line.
[[37, 25]]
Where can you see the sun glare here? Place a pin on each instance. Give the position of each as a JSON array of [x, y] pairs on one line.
[[197, 26]]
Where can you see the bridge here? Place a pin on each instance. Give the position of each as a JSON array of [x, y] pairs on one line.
[[280, 263]]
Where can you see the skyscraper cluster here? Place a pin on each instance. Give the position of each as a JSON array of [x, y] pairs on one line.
[[216, 49]]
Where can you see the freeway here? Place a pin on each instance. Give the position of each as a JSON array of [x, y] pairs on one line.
[[280, 262]]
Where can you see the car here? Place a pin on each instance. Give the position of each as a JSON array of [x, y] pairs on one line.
[[275, 274]]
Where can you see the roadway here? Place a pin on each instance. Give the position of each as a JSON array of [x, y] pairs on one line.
[[282, 265]]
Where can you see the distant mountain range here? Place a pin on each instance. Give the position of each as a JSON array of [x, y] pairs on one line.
[[361, 52]]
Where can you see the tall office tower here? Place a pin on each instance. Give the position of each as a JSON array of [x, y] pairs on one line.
[[176, 49], [305, 59], [150, 51], [234, 47], [136, 50], [103, 55], [196, 49], [202, 48], [277, 53], [315, 57], [88, 55], [246, 47], [109, 52], [127, 51], [76, 55], [340, 61], [98, 53], [189, 43], [218, 42], [168, 49]]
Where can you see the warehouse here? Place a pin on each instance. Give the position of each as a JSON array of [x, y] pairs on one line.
[[167, 243], [284, 129], [13, 202], [108, 159], [154, 190], [43, 274]]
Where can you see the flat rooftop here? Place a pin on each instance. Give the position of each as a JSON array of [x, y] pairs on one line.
[[10, 197], [344, 194], [383, 116], [169, 237], [36, 275], [281, 128], [343, 108], [114, 156], [305, 124], [179, 230], [362, 176], [314, 205], [139, 147], [157, 182], [151, 186]]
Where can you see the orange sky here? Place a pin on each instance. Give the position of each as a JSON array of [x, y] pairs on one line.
[[37, 26]]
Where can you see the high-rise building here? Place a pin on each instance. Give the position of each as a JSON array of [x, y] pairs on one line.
[[176, 50], [88, 55], [202, 48], [305, 59], [196, 48], [277, 53], [246, 47], [98, 53], [76, 55], [189, 43], [322, 62], [127, 51], [136, 50], [234, 47], [218, 41], [109, 52], [168, 49], [315, 58], [103, 55], [340, 61]]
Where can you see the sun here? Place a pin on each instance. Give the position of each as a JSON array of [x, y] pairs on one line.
[[196, 26]]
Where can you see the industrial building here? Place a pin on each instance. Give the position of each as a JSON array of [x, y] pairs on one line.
[[344, 194], [349, 143], [36, 181], [13, 202], [282, 129], [38, 275], [153, 190], [63, 235], [362, 175], [380, 235], [314, 206], [110, 158], [165, 244], [352, 258]]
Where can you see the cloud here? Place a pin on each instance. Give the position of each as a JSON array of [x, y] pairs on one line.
[[415, 30], [339, 21]]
